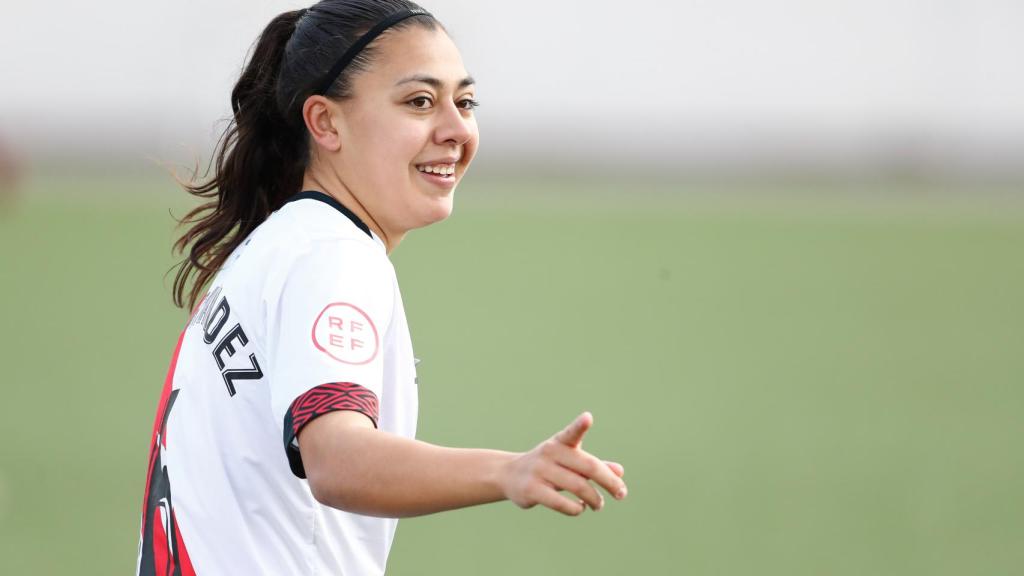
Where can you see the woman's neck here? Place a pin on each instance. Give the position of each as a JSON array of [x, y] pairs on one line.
[[332, 185]]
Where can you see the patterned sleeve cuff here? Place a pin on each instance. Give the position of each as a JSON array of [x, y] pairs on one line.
[[319, 401]]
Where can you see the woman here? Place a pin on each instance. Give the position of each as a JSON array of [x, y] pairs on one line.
[[283, 442]]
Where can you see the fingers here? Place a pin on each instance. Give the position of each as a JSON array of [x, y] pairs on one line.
[[560, 464], [617, 468], [548, 496], [572, 435], [590, 467], [564, 479]]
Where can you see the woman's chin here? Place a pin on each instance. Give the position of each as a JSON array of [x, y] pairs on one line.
[[444, 207], [436, 210]]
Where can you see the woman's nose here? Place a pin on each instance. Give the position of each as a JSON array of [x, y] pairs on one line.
[[453, 127]]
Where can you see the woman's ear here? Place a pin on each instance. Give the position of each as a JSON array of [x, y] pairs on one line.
[[319, 115]]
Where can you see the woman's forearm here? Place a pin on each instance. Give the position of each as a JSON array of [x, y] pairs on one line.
[[375, 473], [357, 468]]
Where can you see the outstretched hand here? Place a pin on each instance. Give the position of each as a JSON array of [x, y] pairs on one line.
[[560, 463]]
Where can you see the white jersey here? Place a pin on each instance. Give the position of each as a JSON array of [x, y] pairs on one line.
[[303, 319]]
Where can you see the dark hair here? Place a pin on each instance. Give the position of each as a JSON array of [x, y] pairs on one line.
[[262, 155]]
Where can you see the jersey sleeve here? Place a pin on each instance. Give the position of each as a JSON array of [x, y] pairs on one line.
[[326, 337]]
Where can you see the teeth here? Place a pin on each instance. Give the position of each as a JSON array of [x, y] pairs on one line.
[[439, 169]]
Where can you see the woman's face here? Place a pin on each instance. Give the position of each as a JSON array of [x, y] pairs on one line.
[[408, 132]]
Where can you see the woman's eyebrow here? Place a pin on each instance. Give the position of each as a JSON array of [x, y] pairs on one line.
[[434, 82]]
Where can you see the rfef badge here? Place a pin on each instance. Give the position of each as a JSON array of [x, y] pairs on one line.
[[346, 333]]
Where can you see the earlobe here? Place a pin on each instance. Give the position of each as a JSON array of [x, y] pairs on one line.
[[318, 115]]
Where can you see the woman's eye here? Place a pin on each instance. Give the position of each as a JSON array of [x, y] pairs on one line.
[[468, 104], [421, 102]]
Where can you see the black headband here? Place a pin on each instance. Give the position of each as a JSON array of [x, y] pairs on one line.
[[361, 43]]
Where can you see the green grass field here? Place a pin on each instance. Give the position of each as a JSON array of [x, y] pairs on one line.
[[798, 381]]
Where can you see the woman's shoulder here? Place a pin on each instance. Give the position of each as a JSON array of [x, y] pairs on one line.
[[304, 233], [315, 235], [292, 256]]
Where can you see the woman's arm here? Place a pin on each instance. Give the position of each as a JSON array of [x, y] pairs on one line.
[[357, 468]]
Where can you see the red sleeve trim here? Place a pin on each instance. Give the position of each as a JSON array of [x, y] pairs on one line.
[[322, 400]]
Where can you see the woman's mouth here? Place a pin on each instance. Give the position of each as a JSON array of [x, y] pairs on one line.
[[439, 169], [439, 174]]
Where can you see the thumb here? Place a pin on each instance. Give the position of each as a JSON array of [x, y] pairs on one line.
[[572, 435]]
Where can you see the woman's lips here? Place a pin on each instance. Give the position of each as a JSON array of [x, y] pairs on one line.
[[445, 182]]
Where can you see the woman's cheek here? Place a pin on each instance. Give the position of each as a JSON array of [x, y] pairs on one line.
[[471, 146]]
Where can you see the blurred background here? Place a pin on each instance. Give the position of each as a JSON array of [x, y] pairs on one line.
[[775, 248]]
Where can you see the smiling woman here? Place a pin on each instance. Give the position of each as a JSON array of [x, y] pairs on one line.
[[287, 420]]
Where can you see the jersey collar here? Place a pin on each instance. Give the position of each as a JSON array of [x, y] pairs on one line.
[[332, 202]]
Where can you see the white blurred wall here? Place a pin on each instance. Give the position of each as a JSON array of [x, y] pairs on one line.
[[827, 83]]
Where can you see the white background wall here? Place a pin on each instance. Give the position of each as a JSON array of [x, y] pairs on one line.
[[700, 82]]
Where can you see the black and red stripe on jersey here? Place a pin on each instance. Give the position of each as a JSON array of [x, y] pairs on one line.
[[162, 549]]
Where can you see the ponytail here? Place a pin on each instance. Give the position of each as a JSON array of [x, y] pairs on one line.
[[261, 157], [260, 160]]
